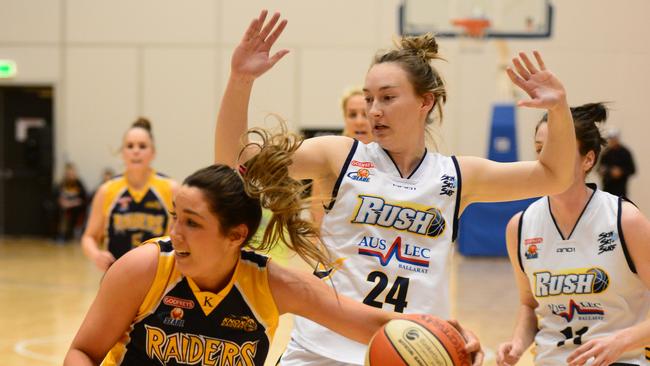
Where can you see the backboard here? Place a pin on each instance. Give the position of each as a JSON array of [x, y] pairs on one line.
[[507, 18]]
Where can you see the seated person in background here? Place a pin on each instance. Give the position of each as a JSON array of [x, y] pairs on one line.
[[71, 199]]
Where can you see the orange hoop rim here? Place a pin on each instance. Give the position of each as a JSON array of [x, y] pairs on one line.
[[474, 27]]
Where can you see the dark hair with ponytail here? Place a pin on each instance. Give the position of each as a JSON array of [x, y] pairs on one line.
[[585, 120], [236, 196]]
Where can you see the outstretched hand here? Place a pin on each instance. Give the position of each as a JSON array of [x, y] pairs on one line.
[[252, 57], [544, 88]]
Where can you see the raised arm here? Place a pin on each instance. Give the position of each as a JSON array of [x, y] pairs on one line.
[[488, 181], [526, 326], [317, 158], [249, 61]]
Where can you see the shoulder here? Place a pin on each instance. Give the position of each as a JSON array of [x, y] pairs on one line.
[[102, 191], [514, 220], [135, 270], [512, 229], [254, 258], [632, 218]]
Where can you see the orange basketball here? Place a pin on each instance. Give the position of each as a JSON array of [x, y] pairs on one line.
[[422, 340]]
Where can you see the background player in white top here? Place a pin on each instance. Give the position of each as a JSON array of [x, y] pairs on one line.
[[401, 90], [580, 228]]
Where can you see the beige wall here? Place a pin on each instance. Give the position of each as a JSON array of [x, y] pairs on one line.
[[111, 61]]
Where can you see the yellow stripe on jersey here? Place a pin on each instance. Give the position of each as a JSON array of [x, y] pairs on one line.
[[253, 282], [647, 353], [162, 187], [167, 276], [209, 300]]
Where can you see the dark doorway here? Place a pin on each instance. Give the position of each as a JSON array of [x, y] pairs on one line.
[[26, 159]]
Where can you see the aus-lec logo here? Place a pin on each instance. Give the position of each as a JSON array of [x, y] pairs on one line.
[[407, 253]]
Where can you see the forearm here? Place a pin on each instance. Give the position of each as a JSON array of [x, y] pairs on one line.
[[525, 328], [232, 121], [558, 155], [76, 357], [635, 337], [89, 245], [359, 321]]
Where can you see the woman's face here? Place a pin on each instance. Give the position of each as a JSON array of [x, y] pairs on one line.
[[137, 149], [198, 242], [356, 121], [396, 114]]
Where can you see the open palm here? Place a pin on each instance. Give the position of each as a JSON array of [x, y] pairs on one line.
[[543, 87], [252, 56]]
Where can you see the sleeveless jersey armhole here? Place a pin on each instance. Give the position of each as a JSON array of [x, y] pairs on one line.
[[454, 234], [158, 286], [344, 168], [519, 226], [619, 215]]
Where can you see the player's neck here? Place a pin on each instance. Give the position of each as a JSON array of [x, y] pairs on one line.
[[409, 159], [138, 178], [219, 277], [567, 206]]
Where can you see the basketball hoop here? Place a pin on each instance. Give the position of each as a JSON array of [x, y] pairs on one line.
[[474, 27]]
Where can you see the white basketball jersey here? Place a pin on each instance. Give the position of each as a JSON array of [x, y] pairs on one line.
[[391, 240], [586, 285]]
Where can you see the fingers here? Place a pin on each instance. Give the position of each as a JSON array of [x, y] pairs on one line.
[[540, 62], [516, 79], [276, 33], [472, 344], [582, 354], [521, 70], [529, 65], [268, 27], [503, 350], [254, 26], [478, 358], [507, 355], [278, 56]]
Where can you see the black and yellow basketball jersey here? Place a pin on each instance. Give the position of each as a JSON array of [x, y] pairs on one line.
[[134, 217], [178, 323]]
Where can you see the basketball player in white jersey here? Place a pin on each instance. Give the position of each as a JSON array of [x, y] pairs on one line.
[[582, 266], [394, 205]]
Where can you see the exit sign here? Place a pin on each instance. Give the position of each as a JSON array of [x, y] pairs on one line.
[[8, 69]]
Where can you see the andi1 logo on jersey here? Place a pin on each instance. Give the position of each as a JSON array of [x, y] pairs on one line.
[[373, 210], [409, 256]]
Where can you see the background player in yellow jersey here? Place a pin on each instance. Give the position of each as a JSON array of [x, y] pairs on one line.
[[197, 297], [132, 207]]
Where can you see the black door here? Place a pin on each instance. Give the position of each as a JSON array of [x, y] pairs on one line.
[[26, 159]]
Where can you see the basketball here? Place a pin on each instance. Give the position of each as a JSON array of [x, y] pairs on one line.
[[422, 340]]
